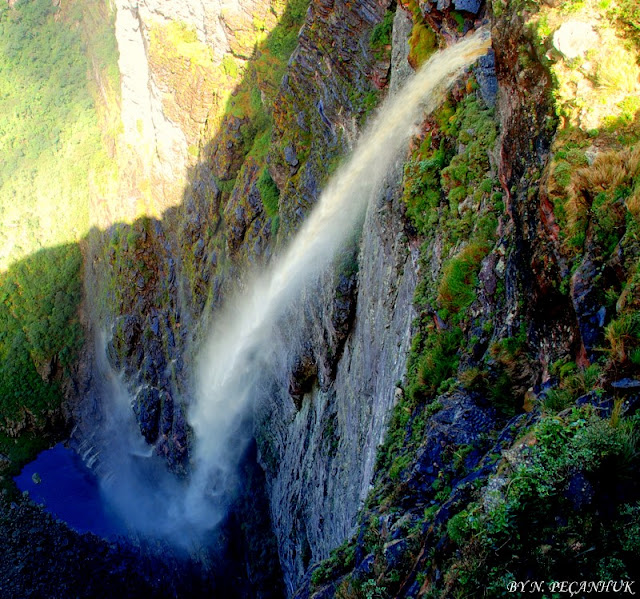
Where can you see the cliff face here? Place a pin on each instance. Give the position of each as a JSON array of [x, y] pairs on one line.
[[513, 346], [157, 277], [493, 284], [153, 275], [318, 441], [178, 64], [211, 115], [250, 163]]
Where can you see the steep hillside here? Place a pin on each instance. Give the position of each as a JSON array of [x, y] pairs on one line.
[[451, 407], [511, 452], [57, 64]]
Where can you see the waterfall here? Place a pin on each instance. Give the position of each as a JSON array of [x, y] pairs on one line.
[[238, 350]]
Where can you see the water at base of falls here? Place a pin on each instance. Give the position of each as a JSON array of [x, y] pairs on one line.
[[70, 491]]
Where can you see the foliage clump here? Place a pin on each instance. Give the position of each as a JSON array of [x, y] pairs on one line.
[[380, 39], [568, 505], [269, 193], [50, 136], [341, 560]]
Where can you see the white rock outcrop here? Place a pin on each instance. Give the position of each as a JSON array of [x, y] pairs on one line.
[[574, 38]]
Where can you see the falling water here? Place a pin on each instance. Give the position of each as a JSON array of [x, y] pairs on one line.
[[239, 346]]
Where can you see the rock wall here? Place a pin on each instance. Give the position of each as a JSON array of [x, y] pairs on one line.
[[318, 448], [173, 81], [191, 159], [234, 119], [500, 195], [319, 455]]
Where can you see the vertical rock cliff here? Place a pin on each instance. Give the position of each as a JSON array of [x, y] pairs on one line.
[[487, 308], [500, 193], [250, 171], [318, 443]]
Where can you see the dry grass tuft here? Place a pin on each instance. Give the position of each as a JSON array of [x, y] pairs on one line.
[[609, 172]]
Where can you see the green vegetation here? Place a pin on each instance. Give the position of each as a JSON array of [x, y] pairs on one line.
[[40, 336], [592, 179], [511, 365], [183, 41], [604, 91], [341, 560], [380, 39], [450, 192], [422, 44], [422, 186], [460, 279], [573, 382], [436, 185], [51, 146], [596, 207], [282, 40], [253, 96], [423, 41], [623, 339], [551, 514], [561, 500], [601, 195], [239, 130], [626, 14], [269, 193]]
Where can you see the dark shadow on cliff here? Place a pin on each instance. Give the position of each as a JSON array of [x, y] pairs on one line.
[[138, 272]]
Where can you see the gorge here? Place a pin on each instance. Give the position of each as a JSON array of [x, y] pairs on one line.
[[434, 395]]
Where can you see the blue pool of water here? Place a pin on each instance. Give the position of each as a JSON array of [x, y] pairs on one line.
[[69, 491]]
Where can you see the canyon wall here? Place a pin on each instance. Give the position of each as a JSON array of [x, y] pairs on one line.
[[203, 163], [481, 296]]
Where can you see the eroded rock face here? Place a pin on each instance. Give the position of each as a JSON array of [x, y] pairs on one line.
[[318, 448], [160, 120], [134, 74], [319, 425], [162, 278], [319, 102]]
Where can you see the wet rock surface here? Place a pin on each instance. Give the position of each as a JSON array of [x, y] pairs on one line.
[[40, 557]]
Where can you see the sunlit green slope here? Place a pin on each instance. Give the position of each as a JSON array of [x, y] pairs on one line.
[[55, 63]]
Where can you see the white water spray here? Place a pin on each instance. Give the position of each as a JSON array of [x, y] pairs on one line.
[[239, 347]]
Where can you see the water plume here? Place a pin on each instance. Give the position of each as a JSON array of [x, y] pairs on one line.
[[238, 352]]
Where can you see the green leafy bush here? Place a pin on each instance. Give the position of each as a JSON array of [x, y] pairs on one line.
[[269, 193], [39, 331], [381, 34], [460, 278], [531, 525]]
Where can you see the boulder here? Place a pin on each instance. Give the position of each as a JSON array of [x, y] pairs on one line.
[[575, 38], [472, 6]]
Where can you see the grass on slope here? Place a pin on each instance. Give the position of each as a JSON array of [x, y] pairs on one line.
[[51, 149]]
